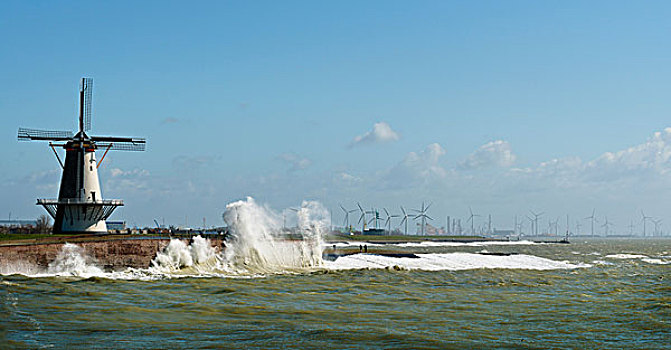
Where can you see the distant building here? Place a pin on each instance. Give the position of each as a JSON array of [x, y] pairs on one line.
[[115, 225], [17, 223], [504, 232]]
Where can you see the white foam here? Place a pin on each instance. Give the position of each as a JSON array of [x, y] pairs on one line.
[[256, 246], [462, 244], [350, 244], [656, 261], [449, 261], [72, 261], [626, 256]]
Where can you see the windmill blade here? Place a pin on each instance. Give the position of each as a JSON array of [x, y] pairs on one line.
[[343, 208], [371, 220], [428, 206], [386, 211], [26, 134], [403, 210], [87, 94], [124, 146], [405, 218], [118, 139], [359, 205], [428, 217]]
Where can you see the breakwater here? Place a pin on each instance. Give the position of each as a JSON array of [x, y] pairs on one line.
[[107, 252]]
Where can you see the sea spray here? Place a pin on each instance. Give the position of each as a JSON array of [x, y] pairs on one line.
[[256, 245], [178, 255], [73, 261]]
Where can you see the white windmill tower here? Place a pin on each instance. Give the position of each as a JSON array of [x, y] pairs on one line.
[[80, 207]]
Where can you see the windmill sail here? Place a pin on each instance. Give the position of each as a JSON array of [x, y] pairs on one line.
[[87, 96], [26, 134]]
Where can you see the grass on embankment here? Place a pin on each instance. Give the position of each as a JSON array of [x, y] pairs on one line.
[[402, 238]]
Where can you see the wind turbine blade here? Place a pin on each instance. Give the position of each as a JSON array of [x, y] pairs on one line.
[[428, 217], [428, 206], [386, 211], [403, 210]]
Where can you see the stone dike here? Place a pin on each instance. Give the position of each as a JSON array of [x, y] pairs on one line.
[[108, 253]]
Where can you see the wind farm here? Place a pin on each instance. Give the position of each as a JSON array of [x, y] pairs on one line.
[[395, 223]]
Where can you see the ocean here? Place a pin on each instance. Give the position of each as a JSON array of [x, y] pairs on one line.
[[266, 293], [591, 294]]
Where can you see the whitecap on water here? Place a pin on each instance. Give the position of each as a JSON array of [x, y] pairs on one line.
[[626, 256], [449, 261]]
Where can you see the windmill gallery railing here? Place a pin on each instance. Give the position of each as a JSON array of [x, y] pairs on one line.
[[100, 209]]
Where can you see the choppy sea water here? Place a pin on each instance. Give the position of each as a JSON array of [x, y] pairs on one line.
[[591, 294]]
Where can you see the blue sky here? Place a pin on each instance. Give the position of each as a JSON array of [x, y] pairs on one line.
[[503, 106]]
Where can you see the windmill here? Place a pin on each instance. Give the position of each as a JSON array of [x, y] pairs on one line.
[[387, 222], [347, 212], [421, 214], [644, 219], [470, 218], [404, 220], [80, 207], [592, 218]]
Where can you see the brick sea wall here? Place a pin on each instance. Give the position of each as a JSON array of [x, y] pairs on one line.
[[108, 254]]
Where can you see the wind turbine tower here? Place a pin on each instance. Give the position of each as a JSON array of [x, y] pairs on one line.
[[592, 219], [470, 218], [405, 220], [644, 220]]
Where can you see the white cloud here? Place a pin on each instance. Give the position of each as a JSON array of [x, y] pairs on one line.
[[381, 133], [116, 172], [654, 154], [295, 161], [418, 167], [492, 154]]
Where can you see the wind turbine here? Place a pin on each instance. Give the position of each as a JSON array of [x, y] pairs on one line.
[[592, 218], [531, 223], [536, 216], [347, 212], [405, 220], [631, 228], [362, 217], [421, 214], [470, 218], [657, 224], [387, 222], [606, 226], [644, 218]]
